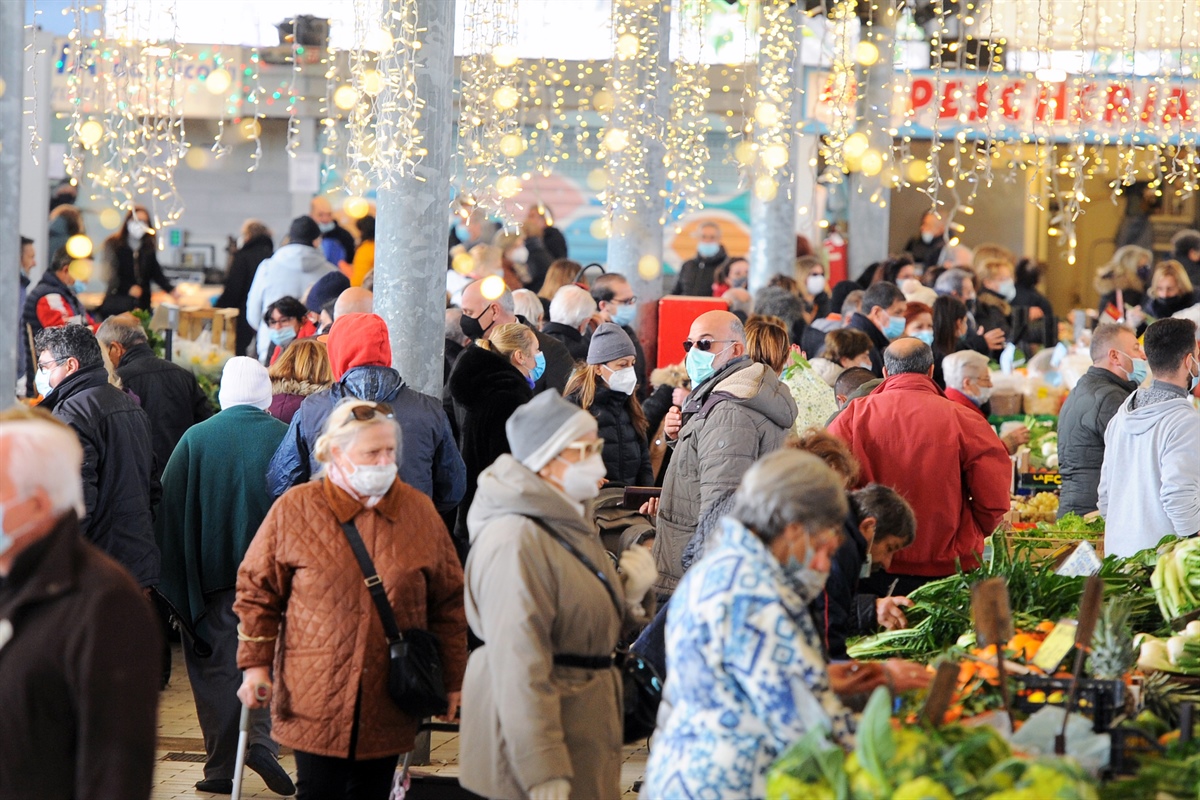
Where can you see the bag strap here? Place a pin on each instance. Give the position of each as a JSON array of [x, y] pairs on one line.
[[374, 583], [587, 562]]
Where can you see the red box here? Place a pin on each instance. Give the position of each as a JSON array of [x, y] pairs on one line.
[[675, 316]]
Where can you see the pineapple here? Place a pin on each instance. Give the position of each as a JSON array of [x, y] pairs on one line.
[[1162, 695], [1113, 653]]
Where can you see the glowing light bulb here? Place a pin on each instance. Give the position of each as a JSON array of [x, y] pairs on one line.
[[505, 55], [79, 246], [745, 153], [344, 97], [616, 139], [196, 158], [917, 171], [866, 53], [767, 114], [462, 263], [597, 179], [512, 145], [371, 82], [775, 156], [379, 41], [250, 129], [602, 100], [492, 287], [871, 163], [600, 228], [856, 145], [649, 267], [90, 133], [627, 46], [80, 269], [218, 81], [505, 97], [110, 218], [508, 186], [765, 188], [356, 207]]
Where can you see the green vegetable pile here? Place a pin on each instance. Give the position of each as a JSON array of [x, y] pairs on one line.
[[1043, 442], [1071, 523], [1180, 653], [1176, 578], [920, 763], [1175, 776], [941, 610]]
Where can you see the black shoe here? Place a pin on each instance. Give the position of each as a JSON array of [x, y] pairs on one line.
[[215, 786], [267, 766]]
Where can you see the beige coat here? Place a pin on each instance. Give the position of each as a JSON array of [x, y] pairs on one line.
[[524, 720]]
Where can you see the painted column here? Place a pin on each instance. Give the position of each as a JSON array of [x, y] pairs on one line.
[[413, 215], [870, 195], [12, 55], [635, 242]]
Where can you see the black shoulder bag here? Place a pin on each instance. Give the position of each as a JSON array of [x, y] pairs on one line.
[[414, 664], [641, 684]]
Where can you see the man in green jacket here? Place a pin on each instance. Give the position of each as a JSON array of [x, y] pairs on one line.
[[215, 497]]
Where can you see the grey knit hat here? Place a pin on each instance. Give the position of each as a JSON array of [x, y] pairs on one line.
[[542, 428], [609, 342]]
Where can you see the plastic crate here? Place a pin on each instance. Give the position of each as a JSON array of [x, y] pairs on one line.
[[1130, 744], [1101, 701]]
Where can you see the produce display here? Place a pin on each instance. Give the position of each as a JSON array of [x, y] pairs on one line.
[[1041, 507], [1179, 654], [918, 762], [1043, 442], [1176, 578]]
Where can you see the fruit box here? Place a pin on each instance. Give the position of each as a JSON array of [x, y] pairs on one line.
[[1100, 701]]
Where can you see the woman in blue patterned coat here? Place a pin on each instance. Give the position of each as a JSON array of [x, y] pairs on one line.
[[747, 675]]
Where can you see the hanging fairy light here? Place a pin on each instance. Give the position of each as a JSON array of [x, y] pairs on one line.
[[842, 89], [489, 131], [775, 90]]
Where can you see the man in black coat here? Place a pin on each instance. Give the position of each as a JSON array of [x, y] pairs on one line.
[[169, 394], [78, 640], [570, 312], [337, 243], [880, 523], [256, 247], [481, 315], [696, 276], [119, 485], [882, 319], [1118, 366]]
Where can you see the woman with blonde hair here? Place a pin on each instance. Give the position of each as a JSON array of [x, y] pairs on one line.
[[768, 342], [1121, 283], [606, 387], [562, 272], [488, 383], [328, 689], [1170, 291], [301, 370]]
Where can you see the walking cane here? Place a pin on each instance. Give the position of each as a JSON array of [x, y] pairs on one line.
[[260, 694]]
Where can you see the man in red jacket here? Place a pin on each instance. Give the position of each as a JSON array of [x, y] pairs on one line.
[[944, 459]]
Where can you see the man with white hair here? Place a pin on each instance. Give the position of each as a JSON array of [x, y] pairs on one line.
[[570, 312], [969, 383], [481, 315], [79, 643]]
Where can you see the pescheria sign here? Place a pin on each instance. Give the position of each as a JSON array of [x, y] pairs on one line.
[[1020, 107]]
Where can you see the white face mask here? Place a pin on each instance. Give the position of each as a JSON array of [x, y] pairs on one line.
[[815, 284], [985, 394], [623, 380], [42, 381], [581, 480], [136, 229], [6, 538], [519, 255], [372, 480]]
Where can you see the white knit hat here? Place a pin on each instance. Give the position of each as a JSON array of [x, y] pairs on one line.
[[245, 382]]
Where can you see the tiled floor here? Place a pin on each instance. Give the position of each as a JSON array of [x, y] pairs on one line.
[[180, 738]]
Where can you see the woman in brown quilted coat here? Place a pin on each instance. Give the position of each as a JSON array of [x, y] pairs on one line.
[[305, 610]]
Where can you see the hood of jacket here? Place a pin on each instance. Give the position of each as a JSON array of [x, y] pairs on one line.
[[358, 340], [508, 488], [1144, 419], [300, 257], [480, 374], [378, 384], [750, 384]]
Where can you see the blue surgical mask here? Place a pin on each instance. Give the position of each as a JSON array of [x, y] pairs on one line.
[[6, 540], [924, 336], [42, 381], [1140, 369], [539, 367], [1007, 290], [804, 580], [79, 286], [326, 227], [895, 327], [625, 315], [1195, 378], [707, 249], [282, 337], [700, 365], [461, 232]]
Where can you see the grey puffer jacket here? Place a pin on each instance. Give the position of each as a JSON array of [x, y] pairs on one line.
[[525, 719], [732, 419], [1089, 408]]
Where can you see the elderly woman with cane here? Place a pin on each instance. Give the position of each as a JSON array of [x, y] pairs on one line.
[[329, 695]]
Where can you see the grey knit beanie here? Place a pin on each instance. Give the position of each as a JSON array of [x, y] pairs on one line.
[[542, 428], [609, 343]]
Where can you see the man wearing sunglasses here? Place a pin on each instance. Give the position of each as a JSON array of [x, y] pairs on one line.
[[737, 412]]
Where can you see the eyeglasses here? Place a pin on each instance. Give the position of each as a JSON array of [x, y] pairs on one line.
[[279, 321], [367, 413], [594, 447], [46, 367], [632, 300], [703, 345]]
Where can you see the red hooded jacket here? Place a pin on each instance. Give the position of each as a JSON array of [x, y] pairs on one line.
[[943, 458]]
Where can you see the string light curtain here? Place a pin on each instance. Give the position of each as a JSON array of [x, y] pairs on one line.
[[687, 151]]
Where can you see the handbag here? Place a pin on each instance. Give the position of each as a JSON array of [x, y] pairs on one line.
[[640, 681], [414, 663]]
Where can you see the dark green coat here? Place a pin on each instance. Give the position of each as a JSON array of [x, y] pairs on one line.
[[215, 497]]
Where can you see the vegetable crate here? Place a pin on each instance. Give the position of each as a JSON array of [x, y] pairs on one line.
[[1101, 701], [1050, 547], [1129, 745]]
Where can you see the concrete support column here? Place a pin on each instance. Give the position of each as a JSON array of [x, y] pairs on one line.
[[12, 41], [411, 243], [804, 188], [868, 221], [35, 177], [773, 221], [636, 236]]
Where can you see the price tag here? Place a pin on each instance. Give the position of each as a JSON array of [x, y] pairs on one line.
[[1058, 646]]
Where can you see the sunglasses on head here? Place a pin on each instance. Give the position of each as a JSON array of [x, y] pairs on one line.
[[703, 345], [594, 447], [366, 413]]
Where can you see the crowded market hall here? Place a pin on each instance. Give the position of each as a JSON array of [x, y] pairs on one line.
[[816, 414]]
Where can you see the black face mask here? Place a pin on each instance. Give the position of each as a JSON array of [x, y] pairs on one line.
[[1162, 307], [472, 328]]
